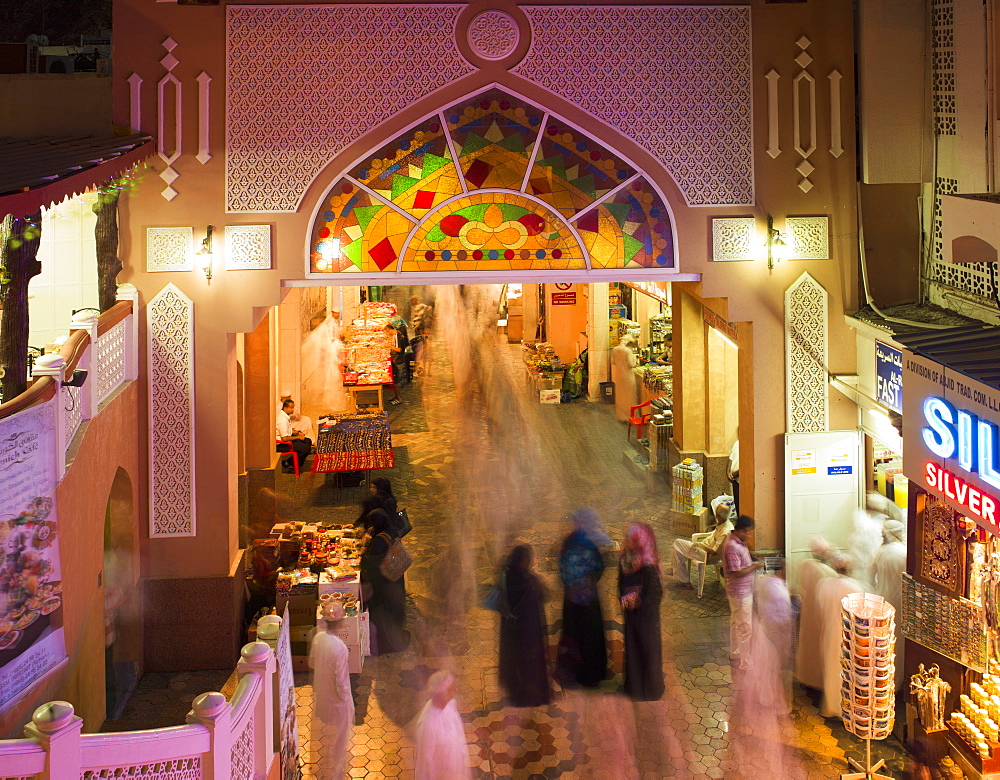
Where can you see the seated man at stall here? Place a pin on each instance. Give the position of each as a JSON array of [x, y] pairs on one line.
[[701, 545], [290, 439]]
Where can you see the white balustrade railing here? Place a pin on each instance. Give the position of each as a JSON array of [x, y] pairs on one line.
[[224, 740], [106, 354], [111, 359]]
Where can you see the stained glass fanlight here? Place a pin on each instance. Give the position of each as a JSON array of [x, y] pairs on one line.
[[492, 183]]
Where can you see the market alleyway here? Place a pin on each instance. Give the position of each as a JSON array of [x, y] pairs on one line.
[[477, 468]]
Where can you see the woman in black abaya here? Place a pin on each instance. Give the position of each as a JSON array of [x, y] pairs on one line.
[[641, 591], [386, 600], [583, 654], [523, 633]]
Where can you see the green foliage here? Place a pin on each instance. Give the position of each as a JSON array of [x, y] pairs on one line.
[[125, 184]]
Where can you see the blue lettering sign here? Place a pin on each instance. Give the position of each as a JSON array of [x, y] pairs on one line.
[[889, 377], [958, 433]]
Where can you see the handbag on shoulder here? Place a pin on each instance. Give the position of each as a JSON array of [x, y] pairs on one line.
[[405, 526], [396, 560]]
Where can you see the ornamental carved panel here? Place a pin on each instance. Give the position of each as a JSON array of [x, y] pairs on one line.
[[169, 248], [732, 238], [302, 82], [677, 80], [248, 247], [809, 237], [807, 401], [170, 329]]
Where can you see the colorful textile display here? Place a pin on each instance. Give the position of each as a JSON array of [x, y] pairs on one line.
[[354, 442]]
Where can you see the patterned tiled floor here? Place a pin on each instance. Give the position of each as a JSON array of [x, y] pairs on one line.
[[483, 465], [478, 467]]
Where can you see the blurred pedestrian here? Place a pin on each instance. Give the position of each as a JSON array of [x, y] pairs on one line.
[[740, 569], [583, 653], [887, 576], [774, 624], [829, 595], [808, 661], [640, 589], [333, 705], [385, 598], [524, 633], [442, 752]]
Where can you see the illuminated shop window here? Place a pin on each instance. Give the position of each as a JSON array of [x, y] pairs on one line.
[[527, 192]]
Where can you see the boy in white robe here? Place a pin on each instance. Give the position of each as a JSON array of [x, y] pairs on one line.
[[333, 705]]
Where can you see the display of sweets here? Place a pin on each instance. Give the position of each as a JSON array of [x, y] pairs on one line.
[[687, 482], [867, 665], [969, 731], [377, 310]]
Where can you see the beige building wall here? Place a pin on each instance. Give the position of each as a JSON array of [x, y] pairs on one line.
[[237, 301]]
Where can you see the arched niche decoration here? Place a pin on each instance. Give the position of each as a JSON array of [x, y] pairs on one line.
[[491, 183]]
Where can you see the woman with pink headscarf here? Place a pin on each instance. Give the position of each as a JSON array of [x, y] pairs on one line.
[[641, 589]]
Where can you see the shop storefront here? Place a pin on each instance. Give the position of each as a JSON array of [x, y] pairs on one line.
[[950, 613]]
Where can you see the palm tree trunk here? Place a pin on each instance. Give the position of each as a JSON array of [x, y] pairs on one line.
[[109, 265], [18, 256]]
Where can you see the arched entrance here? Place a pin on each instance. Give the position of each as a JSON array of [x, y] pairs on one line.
[[122, 605], [492, 183]]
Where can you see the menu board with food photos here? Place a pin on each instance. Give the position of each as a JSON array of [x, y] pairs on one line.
[[31, 614]]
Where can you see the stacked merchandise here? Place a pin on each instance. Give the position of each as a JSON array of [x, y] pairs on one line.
[[868, 667], [659, 380], [354, 442], [619, 329], [688, 478], [368, 344]]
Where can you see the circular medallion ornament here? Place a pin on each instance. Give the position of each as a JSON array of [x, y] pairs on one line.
[[493, 35]]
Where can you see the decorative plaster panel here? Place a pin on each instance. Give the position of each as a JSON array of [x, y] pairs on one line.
[[169, 249], [170, 327], [248, 247], [303, 82], [807, 403], [732, 238], [810, 237], [110, 361], [170, 769], [635, 68], [493, 35]]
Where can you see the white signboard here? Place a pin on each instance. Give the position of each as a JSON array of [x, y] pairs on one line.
[[31, 614], [289, 727]]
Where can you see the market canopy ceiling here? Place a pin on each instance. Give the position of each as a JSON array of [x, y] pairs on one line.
[[492, 183], [37, 172]]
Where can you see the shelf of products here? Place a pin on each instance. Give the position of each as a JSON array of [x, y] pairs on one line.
[[954, 628]]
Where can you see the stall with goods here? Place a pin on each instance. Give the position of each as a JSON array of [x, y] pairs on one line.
[[544, 369], [317, 564]]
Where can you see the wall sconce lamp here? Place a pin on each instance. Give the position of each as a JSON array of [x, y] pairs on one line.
[[205, 254], [777, 249]]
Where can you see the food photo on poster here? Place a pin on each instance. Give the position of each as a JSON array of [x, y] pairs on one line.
[[31, 617]]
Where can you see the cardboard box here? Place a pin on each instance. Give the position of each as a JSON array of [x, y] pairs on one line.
[[549, 396], [684, 524], [301, 609]]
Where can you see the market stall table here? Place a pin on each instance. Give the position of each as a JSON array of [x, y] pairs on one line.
[[354, 442]]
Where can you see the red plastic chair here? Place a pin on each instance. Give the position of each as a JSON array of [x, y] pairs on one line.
[[278, 444], [638, 421]]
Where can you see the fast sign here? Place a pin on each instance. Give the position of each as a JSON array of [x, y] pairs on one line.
[[889, 377]]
